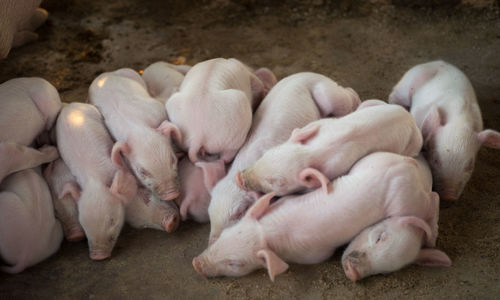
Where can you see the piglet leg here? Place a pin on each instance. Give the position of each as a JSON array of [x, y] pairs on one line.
[[15, 157]]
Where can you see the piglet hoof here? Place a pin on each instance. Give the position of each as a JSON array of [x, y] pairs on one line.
[[170, 223], [240, 182]]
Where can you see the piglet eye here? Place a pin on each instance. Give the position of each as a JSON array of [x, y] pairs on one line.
[[235, 264], [381, 237]]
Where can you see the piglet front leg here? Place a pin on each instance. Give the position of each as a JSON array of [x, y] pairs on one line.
[[15, 157]]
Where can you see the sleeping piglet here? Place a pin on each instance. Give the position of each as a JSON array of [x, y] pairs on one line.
[[18, 20], [147, 211], [327, 148], [292, 103], [213, 107], [139, 125], [443, 102], [65, 194], [164, 79], [29, 107], [85, 146], [197, 181], [29, 232], [378, 186]]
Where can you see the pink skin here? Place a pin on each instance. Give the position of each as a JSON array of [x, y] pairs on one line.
[[327, 148], [389, 246], [197, 180], [65, 193], [164, 79], [378, 186], [85, 146], [444, 105], [29, 107], [18, 21], [294, 102], [225, 88], [147, 211], [29, 232], [139, 125]]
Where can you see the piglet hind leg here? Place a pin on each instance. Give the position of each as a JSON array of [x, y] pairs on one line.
[[15, 157], [14, 232]]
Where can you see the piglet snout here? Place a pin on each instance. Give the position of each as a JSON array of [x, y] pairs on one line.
[[170, 223], [74, 234], [171, 195], [198, 266], [448, 196], [99, 254], [350, 270]]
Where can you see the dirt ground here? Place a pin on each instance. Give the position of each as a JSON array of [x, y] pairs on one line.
[[367, 45]]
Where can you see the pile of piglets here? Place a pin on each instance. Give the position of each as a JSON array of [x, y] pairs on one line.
[[285, 172]]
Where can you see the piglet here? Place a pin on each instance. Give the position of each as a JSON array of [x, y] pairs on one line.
[[29, 107], [197, 181], [164, 79], [139, 125], [294, 102], [327, 148], [85, 146], [65, 194], [29, 232], [443, 102], [378, 186], [213, 107], [390, 245], [147, 211], [18, 20]]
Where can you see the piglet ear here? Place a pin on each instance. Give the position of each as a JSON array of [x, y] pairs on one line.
[[303, 135], [118, 149], [272, 262], [430, 241], [212, 172], [432, 258], [431, 123], [70, 188], [259, 208], [489, 138], [124, 186], [313, 178], [168, 129]]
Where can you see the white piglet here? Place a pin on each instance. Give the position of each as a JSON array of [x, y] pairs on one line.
[[327, 148], [443, 102], [85, 146], [308, 228], [139, 125], [213, 107], [28, 106], [29, 232], [294, 102]]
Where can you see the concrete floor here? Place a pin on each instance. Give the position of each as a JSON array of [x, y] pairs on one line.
[[367, 45]]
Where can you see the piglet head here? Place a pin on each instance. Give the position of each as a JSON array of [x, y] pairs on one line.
[[276, 171], [241, 249], [388, 246], [450, 149], [153, 160], [102, 212]]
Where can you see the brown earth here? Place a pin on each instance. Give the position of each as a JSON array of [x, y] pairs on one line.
[[367, 45]]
